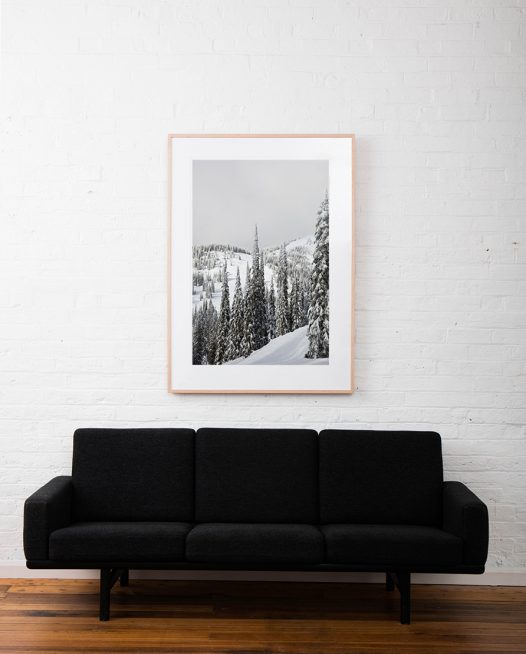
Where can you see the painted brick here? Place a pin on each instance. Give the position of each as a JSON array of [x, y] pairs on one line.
[[434, 93]]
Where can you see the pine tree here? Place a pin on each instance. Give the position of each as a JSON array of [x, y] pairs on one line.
[[209, 287], [258, 296], [256, 329], [247, 343], [271, 312], [198, 339], [318, 314], [237, 322], [264, 307], [223, 330], [283, 309], [296, 304], [305, 298], [210, 329]]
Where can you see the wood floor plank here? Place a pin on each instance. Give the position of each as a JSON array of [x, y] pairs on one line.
[[61, 616]]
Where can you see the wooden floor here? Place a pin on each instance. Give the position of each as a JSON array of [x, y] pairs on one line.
[[264, 617]]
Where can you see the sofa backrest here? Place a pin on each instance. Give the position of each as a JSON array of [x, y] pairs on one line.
[[133, 474], [380, 477], [256, 475]]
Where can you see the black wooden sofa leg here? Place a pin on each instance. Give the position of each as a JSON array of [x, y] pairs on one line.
[[404, 586], [108, 577], [402, 580], [105, 590]]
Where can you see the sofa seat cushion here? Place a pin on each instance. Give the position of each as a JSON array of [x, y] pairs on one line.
[[254, 543], [391, 545], [119, 541]]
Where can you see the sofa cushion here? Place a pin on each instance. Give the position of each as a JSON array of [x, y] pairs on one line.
[[380, 477], [133, 474], [256, 475], [119, 541], [391, 545], [255, 543]]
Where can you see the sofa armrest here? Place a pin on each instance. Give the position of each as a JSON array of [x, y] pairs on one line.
[[466, 516], [49, 508]]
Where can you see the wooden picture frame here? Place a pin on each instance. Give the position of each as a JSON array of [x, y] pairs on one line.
[[222, 186]]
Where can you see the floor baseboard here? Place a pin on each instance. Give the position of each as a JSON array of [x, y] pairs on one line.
[[513, 577]]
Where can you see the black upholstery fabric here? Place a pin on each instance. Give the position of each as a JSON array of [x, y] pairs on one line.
[[380, 477], [256, 475], [255, 543], [133, 474], [47, 509], [119, 541], [391, 545], [465, 515]]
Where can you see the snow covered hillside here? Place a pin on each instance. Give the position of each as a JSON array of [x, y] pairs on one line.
[[299, 254], [210, 268], [286, 350], [212, 272]]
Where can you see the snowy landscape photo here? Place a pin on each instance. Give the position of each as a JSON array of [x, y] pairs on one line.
[[260, 263]]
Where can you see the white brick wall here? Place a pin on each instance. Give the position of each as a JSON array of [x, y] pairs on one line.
[[434, 90]]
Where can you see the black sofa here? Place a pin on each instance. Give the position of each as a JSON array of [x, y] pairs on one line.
[[256, 499]]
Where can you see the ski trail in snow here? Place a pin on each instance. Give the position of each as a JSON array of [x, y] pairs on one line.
[[286, 350]]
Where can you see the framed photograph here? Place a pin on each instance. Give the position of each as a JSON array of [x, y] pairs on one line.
[[260, 263]]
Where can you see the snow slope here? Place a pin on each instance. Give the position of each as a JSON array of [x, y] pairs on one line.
[[287, 350]]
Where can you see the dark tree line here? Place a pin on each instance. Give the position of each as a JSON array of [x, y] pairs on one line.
[[264, 311]]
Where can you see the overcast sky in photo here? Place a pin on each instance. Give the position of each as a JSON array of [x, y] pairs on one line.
[[282, 197]]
